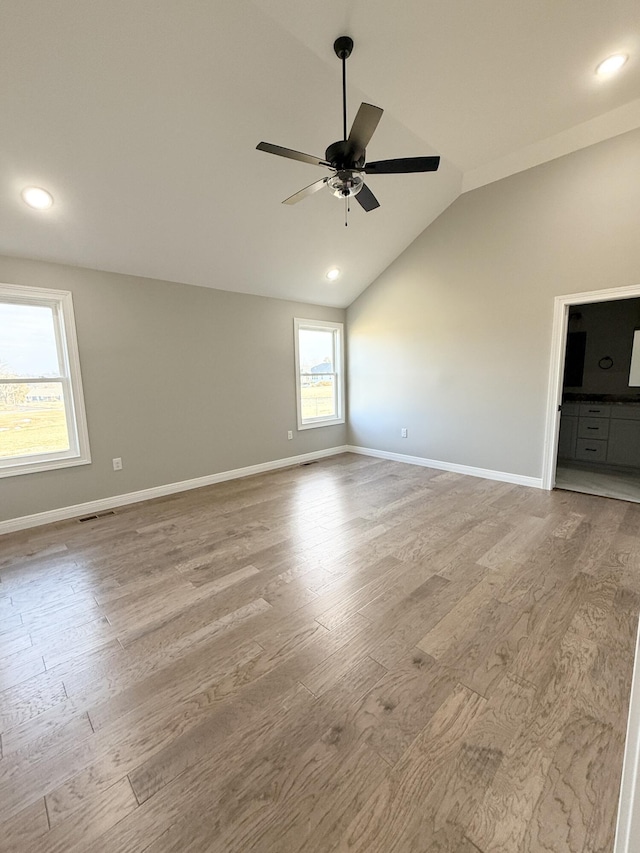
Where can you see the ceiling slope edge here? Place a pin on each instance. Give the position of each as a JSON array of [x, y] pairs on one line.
[[606, 126]]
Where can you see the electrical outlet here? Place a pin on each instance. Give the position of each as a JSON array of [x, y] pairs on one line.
[[117, 464], [403, 432], [290, 434]]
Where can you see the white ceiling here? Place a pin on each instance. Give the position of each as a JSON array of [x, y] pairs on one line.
[[142, 117]]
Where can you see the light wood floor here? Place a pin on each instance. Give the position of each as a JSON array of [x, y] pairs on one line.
[[355, 655]]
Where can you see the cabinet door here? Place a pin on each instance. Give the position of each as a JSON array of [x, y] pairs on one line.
[[624, 443], [567, 438]]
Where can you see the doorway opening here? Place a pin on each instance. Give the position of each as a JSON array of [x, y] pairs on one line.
[[593, 419]]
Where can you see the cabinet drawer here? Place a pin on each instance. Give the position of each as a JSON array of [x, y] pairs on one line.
[[593, 428], [627, 413], [594, 410], [591, 450]]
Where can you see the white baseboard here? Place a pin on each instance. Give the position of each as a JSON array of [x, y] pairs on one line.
[[63, 513], [484, 473], [628, 827], [102, 504]]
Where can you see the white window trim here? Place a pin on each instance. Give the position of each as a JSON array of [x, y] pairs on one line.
[[338, 329], [79, 453]]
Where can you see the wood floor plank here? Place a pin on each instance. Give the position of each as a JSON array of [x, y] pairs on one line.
[[505, 814], [465, 783], [190, 748], [18, 756], [415, 615], [130, 739], [77, 833], [536, 660], [18, 667], [339, 780], [396, 805], [477, 660], [21, 832], [30, 698], [14, 641], [402, 703], [606, 791], [352, 655], [262, 802], [10, 622], [195, 788], [516, 546], [573, 786]]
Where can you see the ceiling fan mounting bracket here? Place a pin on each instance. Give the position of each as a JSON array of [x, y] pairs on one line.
[[343, 47]]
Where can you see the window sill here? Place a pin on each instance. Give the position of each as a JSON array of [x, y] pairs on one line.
[[321, 423], [49, 465]]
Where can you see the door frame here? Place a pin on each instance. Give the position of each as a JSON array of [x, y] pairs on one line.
[[561, 307]]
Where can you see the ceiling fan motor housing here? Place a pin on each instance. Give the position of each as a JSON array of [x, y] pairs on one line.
[[342, 155]]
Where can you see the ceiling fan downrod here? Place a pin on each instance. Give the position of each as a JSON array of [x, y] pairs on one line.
[[343, 47]]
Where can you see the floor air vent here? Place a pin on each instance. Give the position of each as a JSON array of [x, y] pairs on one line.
[[97, 515]]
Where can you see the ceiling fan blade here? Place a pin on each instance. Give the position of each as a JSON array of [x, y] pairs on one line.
[[367, 199], [402, 165], [292, 155], [310, 190], [363, 126]]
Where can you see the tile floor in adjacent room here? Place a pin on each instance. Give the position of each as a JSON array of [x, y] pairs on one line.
[[622, 485]]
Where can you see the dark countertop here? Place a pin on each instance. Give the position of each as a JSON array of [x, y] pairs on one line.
[[571, 397]]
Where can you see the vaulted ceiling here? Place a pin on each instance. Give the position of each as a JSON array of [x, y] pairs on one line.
[[141, 117]]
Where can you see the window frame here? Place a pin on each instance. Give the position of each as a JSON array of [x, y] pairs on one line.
[[61, 303], [300, 324]]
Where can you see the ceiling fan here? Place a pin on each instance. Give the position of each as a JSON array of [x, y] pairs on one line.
[[347, 157]]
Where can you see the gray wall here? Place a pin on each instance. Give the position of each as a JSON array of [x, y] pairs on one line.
[[453, 340], [179, 381]]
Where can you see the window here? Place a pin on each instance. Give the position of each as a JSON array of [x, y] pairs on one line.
[[319, 373], [42, 417]]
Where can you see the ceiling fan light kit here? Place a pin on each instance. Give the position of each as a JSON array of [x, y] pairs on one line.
[[346, 183], [346, 158]]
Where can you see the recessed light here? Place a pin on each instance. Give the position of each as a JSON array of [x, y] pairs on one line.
[[611, 64], [333, 274], [37, 198]]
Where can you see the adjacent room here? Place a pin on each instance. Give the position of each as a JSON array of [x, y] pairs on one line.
[[599, 441], [319, 446]]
